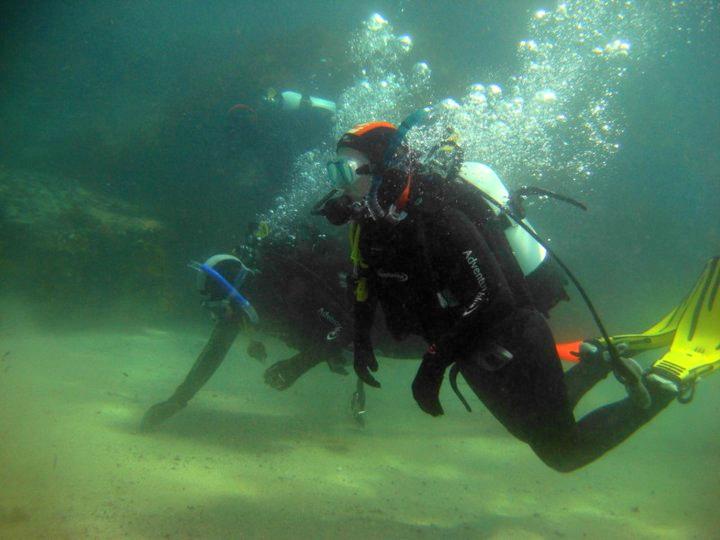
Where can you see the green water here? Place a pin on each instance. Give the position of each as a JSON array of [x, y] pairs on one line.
[[119, 165]]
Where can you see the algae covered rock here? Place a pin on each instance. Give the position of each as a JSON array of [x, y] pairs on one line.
[[74, 252]]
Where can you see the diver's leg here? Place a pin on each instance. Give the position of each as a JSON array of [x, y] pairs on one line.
[[527, 395], [524, 390], [583, 376], [607, 426], [208, 361]]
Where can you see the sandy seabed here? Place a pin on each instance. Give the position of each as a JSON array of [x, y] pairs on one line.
[[246, 461]]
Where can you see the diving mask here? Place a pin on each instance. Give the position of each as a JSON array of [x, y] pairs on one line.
[[342, 172], [348, 169]]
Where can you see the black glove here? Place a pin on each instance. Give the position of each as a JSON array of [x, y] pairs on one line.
[[160, 412], [337, 211], [283, 374], [427, 382], [364, 362], [337, 365], [256, 350]]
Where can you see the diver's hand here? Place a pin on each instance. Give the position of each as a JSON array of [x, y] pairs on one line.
[[158, 413], [283, 374], [336, 365], [364, 362], [427, 382], [632, 376], [256, 350], [280, 375], [595, 352]]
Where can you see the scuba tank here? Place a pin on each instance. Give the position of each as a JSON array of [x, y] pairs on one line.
[[528, 251], [289, 100]]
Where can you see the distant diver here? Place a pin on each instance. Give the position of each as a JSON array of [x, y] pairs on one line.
[[444, 251], [279, 126]]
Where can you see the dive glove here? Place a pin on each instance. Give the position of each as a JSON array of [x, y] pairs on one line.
[[364, 362], [427, 382], [256, 349], [158, 413]]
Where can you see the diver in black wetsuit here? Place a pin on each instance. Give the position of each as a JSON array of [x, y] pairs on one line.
[[296, 289], [436, 257]]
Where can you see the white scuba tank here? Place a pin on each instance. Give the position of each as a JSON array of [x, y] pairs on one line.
[[528, 252], [291, 101]]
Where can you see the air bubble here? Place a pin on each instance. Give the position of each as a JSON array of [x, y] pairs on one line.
[[529, 45], [377, 22], [477, 98], [495, 90], [546, 96], [405, 43], [450, 104], [422, 70]]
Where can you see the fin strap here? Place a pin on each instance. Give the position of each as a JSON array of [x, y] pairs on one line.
[[454, 370]]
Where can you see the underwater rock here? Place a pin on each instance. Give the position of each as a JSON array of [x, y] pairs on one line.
[[44, 202], [73, 250]]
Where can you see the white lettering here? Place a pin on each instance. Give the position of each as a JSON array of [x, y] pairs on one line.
[[400, 276], [335, 332], [480, 278]]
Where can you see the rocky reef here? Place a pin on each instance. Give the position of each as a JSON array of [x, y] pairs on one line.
[[73, 253]]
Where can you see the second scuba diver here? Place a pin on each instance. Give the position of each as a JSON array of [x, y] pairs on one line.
[[445, 264], [297, 291]]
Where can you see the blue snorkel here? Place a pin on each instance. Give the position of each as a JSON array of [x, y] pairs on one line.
[[230, 288], [414, 119], [376, 211]]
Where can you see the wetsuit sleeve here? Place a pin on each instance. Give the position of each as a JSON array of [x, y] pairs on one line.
[[209, 360], [363, 318], [465, 264]]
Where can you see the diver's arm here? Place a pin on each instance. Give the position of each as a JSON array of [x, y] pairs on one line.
[[468, 268], [364, 316], [212, 355], [473, 274], [363, 354], [210, 358]]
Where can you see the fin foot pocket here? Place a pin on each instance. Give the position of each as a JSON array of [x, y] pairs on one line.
[[695, 349]]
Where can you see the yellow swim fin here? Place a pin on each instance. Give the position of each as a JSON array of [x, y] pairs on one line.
[[695, 348], [659, 335]]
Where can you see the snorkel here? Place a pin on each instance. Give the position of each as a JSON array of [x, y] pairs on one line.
[[393, 215], [231, 289]]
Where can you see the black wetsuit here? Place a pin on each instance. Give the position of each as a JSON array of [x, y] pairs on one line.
[[298, 295], [447, 273], [299, 290]]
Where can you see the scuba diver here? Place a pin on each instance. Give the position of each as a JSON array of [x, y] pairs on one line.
[[285, 113], [280, 127], [295, 286], [444, 250]]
